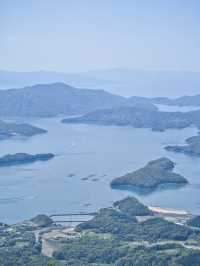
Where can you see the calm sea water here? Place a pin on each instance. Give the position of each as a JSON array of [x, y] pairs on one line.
[[84, 150]]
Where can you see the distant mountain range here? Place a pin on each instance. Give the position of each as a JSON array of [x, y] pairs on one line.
[[181, 101], [61, 99], [118, 81], [43, 100]]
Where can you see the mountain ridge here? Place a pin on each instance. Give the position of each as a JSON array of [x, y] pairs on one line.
[[60, 99]]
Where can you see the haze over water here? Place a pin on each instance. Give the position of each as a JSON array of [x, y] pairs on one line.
[[102, 151]]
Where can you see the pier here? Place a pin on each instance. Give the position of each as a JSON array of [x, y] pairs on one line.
[[67, 215]]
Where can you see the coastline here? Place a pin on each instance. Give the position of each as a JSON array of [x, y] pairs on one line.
[[169, 211]]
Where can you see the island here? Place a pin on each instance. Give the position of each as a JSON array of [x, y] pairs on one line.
[[194, 221], [137, 117], [126, 233], [8, 130], [192, 146], [24, 158], [155, 173]]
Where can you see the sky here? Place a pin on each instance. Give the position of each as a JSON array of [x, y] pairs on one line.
[[83, 35]]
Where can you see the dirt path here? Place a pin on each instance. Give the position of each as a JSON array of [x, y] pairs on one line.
[[50, 240]]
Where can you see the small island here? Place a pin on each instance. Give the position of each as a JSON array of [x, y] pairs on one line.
[[192, 147], [23, 158], [8, 130], [155, 173]]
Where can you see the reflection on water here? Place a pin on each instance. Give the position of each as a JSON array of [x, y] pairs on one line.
[[99, 153], [147, 191]]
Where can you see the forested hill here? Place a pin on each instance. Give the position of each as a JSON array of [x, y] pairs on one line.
[[59, 98]]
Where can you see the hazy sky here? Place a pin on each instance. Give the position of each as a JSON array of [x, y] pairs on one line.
[[81, 35]]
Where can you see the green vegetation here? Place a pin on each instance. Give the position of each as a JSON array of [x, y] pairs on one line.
[[109, 221], [114, 237], [87, 250], [132, 207], [96, 251], [119, 220], [125, 228], [42, 220], [18, 247], [174, 255], [155, 173]]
